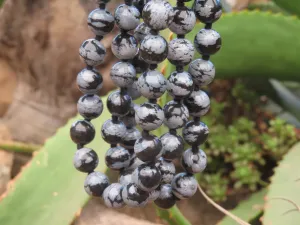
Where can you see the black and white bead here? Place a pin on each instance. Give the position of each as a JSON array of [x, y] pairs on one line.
[[180, 84], [89, 81], [132, 134], [198, 103], [113, 131], [95, 183], [82, 132], [127, 17], [101, 22], [167, 170], [208, 11], [194, 161], [123, 74], [184, 20], [207, 41], [172, 146], [184, 185], [92, 52], [85, 160], [148, 148], [133, 196], [117, 158], [166, 198], [118, 104], [195, 132], [112, 196], [202, 72], [181, 52], [124, 46], [176, 115], [90, 106]]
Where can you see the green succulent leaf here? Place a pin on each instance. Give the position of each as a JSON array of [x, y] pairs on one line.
[[292, 6]]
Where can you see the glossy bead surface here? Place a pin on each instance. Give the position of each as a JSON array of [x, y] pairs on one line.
[[153, 195], [123, 74], [89, 81], [90, 106], [82, 132], [113, 131], [202, 71], [167, 170], [92, 52], [195, 133], [127, 17], [184, 20], [148, 148], [194, 162], [129, 118], [101, 22], [176, 114], [117, 158], [133, 91], [154, 49], [139, 4], [130, 138], [172, 146], [149, 116], [198, 103], [95, 183], [117, 104], [125, 177], [166, 199], [152, 84], [207, 41], [158, 14], [141, 32], [133, 196], [85, 160], [112, 196], [139, 64], [181, 52], [208, 11], [124, 46], [134, 163], [184, 185], [147, 177], [180, 84]]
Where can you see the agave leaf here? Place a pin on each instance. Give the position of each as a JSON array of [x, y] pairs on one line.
[[292, 6]]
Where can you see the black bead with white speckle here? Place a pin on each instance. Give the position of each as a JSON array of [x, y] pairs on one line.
[[117, 158], [180, 84], [176, 115], [118, 104], [101, 22], [195, 133], [124, 46], [184, 185], [90, 106], [198, 103], [95, 184], [123, 74], [207, 41], [89, 81], [148, 148], [92, 52], [167, 170], [113, 131], [184, 20], [133, 196], [194, 162], [202, 72], [181, 52], [85, 160], [208, 11], [166, 198], [172, 146], [127, 17], [82, 132], [112, 196]]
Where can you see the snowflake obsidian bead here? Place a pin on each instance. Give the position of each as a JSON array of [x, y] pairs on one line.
[[82, 132], [207, 42], [152, 84], [112, 196], [90, 106], [147, 177], [133, 91], [113, 131], [153, 195], [133, 196], [208, 11], [176, 115], [184, 20], [194, 162], [123, 74], [85, 160], [154, 49], [139, 4], [125, 177], [92, 52], [141, 32], [198, 103], [117, 158], [180, 84], [130, 137], [195, 133], [89, 81], [127, 17], [158, 14], [101, 22], [149, 116], [167, 170], [124, 46], [184, 185], [202, 72], [181, 52], [139, 64], [118, 104], [95, 183], [166, 198], [172, 146], [148, 148], [129, 118]]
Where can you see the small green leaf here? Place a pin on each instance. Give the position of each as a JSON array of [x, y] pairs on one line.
[[292, 6]]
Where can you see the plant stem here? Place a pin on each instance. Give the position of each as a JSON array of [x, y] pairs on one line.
[[18, 147], [173, 216]]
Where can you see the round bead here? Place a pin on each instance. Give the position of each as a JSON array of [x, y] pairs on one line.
[[130, 138], [195, 133], [180, 84], [176, 115], [139, 64], [90, 106], [92, 52], [134, 163], [112, 196], [141, 32], [127, 17], [129, 119], [133, 196], [154, 49], [158, 14], [147, 177], [167, 170], [148, 148], [208, 11], [95, 183], [194, 162], [172, 146], [207, 41], [181, 52], [149, 116], [124, 46], [125, 177], [123, 74], [184, 20], [89, 81], [117, 158], [202, 71], [133, 91], [85, 160], [113, 131], [198, 103], [118, 104], [166, 199], [101, 22], [152, 84], [153, 195], [139, 4], [82, 132], [184, 185]]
